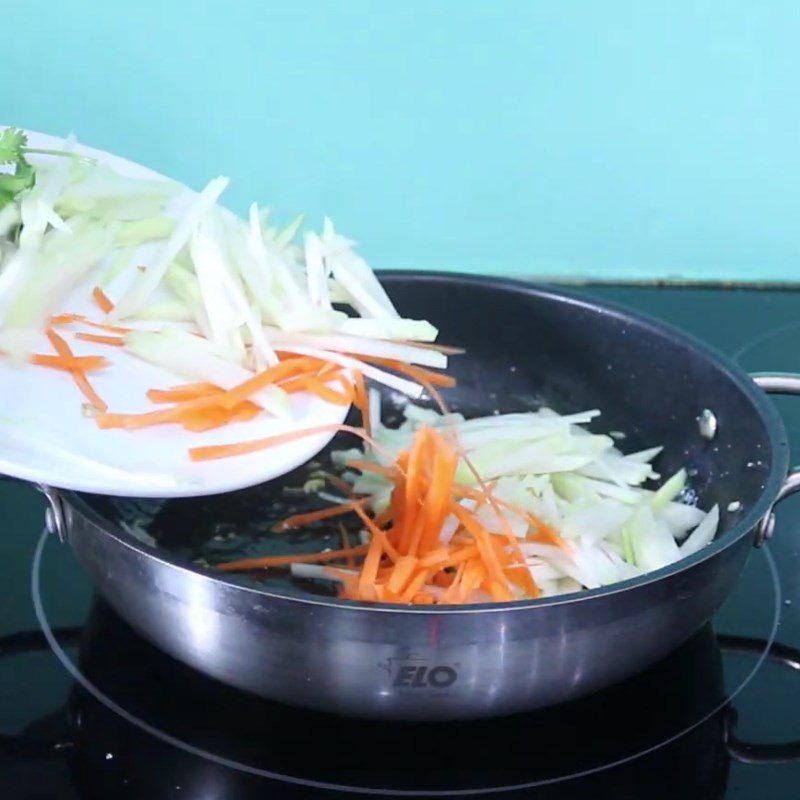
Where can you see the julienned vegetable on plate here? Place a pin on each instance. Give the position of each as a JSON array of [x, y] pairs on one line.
[[243, 314], [246, 315]]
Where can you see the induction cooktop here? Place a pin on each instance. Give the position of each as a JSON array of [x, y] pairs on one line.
[[88, 709]]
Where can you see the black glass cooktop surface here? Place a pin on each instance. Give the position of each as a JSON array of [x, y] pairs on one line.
[[90, 710]]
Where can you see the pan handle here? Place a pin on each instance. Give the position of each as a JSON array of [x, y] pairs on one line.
[[777, 383]]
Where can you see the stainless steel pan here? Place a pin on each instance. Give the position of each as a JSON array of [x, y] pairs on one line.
[[525, 346]]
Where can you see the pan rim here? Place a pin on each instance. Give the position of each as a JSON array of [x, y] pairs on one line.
[[761, 402]]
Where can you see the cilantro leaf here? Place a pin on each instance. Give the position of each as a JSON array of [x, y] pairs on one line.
[[11, 184], [12, 144]]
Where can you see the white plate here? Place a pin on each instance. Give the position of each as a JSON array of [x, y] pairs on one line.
[[41, 406]]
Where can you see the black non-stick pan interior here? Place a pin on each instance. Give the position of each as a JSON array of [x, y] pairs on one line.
[[525, 348]]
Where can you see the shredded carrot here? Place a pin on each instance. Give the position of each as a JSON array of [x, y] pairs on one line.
[[401, 574], [253, 446], [245, 412], [406, 560], [265, 378], [68, 319], [322, 390], [414, 586], [78, 376], [69, 363], [110, 328], [286, 560], [206, 419], [177, 394], [369, 570], [100, 297], [348, 390], [299, 520], [113, 341], [413, 371]]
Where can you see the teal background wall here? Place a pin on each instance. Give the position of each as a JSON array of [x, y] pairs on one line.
[[616, 139]]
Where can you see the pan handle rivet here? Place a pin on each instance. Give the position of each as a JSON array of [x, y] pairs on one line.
[[765, 529], [54, 519]]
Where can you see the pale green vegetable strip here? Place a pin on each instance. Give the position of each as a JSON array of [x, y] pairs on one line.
[[132, 233], [147, 282]]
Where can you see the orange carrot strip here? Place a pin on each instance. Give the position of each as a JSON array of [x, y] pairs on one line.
[[79, 377], [416, 583], [88, 391], [413, 371], [209, 418], [113, 341], [445, 463], [348, 390], [100, 297], [328, 370], [369, 569], [285, 560], [402, 574], [417, 458], [324, 391], [451, 594], [110, 328], [271, 375], [299, 520], [243, 448], [178, 394], [499, 592], [205, 420], [177, 413], [65, 319], [450, 560], [433, 557], [482, 540], [443, 579], [342, 485], [545, 531], [377, 533], [69, 363], [423, 599], [68, 319], [474, 575], [136, 421], [245, 412]]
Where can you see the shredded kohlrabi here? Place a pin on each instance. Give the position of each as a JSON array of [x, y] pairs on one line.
[[579, 483], [172, 259]]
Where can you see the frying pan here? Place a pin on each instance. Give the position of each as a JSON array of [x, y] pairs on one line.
[[526, 347]]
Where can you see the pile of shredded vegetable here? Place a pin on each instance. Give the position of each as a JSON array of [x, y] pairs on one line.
[[497, 508]]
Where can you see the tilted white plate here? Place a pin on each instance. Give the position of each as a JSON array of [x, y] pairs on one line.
[[45, 437]]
